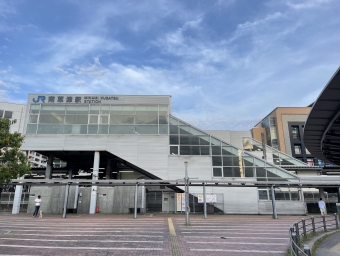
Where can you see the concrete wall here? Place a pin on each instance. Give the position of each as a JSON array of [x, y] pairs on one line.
[[283, 207], [232, 137], [18, 114]]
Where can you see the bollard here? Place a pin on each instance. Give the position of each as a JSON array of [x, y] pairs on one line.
[[313, 224], [306, 250], [324, 223], [304, 227], [336, 221], [295, 243]]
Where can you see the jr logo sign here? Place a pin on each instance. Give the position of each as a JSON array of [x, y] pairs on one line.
[[40, 98]]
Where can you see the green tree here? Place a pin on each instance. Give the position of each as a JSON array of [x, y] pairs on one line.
[[13, 162]]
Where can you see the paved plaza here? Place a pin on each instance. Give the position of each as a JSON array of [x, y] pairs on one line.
[[149, 234]]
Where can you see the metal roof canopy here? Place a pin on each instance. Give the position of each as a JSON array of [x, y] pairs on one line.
[[318, 181], [322, 129]]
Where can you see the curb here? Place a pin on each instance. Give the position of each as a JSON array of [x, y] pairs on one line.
[[312, 243]]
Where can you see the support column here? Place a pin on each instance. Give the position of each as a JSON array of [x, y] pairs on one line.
[[93, 202], [273, 203], [142, 208], [67, 189], [17, 199], [108, 169], [204, 202], [322, 195], [338, 195], [49, 167]]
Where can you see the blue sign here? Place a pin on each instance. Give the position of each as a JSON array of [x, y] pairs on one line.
[[42, 98]]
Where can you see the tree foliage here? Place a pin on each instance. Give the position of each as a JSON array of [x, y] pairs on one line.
[[13, 162]]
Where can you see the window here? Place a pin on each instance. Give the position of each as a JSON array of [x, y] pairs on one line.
[[310, 162], [297, 149], [295, 133], [263, 194], [217, 172], [8, 114], [307, 151]]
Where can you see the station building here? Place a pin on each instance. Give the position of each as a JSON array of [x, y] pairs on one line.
[[122, 137]]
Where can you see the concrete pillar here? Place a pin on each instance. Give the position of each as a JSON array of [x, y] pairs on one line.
[[17, 199], [108, 168], [93, 200], [322, 195], [49, 167]]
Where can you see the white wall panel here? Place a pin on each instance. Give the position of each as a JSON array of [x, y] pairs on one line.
[[123, 146], [43, 142], [85, 142]]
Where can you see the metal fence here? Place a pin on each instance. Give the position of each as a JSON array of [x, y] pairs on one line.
[[301, 229], [7, 198]]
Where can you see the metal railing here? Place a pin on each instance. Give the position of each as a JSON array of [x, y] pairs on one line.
[[301, 229]]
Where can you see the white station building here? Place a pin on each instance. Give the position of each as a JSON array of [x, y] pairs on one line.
[[122, 137]]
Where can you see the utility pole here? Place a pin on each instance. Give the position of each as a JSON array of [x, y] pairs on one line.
[[186, 182]]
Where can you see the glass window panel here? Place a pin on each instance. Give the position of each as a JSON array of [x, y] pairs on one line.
[[103, 129], [31, 129], [204, 140], [163, 129], [184, 129], [147, 129], [122, 129], [230, 161], [141, 109], [294, 195], [50, 129], [215, 142], [94, 109], [280, 195], [93, 119], [195, 150], [217, 161], [33, 119], [263, 194], [248, 161], [53, 109], [58, 119], [249, 171], [92, 129], [128, 110], [2, 113], [8, 114], [141, 119], [116, 119], [228, 172], [216, 150], [295, 133], [116, 110], [297, 149], [75, 129], [105, 109], [45, 119], [174, 150], [217, 172], [163, 119], [185, 150], [163, 107], [184, 140], [128, 119], [173, 121], [174, 139], [153, 109], [260, 172], [205, 150], [173, 129], [194, 140], [71, 119], [152, 119], [104, 119], [34, 109], [228, 150], [82, 110]]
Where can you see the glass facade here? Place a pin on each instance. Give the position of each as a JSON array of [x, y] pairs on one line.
[[270, 126], [227, 161], [97, 119]]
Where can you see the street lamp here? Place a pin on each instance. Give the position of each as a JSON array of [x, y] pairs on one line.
[[186, 182]]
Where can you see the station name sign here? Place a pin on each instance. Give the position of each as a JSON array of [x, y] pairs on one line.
[[74, 99]]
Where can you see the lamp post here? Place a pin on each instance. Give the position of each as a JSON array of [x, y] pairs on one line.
[[186, 182]]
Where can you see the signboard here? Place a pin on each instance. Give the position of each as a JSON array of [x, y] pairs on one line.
[[74, 99], [208, 198], [180, 202]]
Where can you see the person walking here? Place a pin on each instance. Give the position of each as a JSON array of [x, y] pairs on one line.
[[322, 207], [37, 202]]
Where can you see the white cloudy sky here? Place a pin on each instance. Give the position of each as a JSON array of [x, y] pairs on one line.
[[226, 63]]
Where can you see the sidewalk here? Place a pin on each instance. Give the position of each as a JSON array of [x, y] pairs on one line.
[[330, 246]]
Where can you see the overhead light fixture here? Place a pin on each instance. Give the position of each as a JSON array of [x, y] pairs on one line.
[[125, 171]]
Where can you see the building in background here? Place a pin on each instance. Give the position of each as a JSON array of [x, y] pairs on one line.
[[283, 129]]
